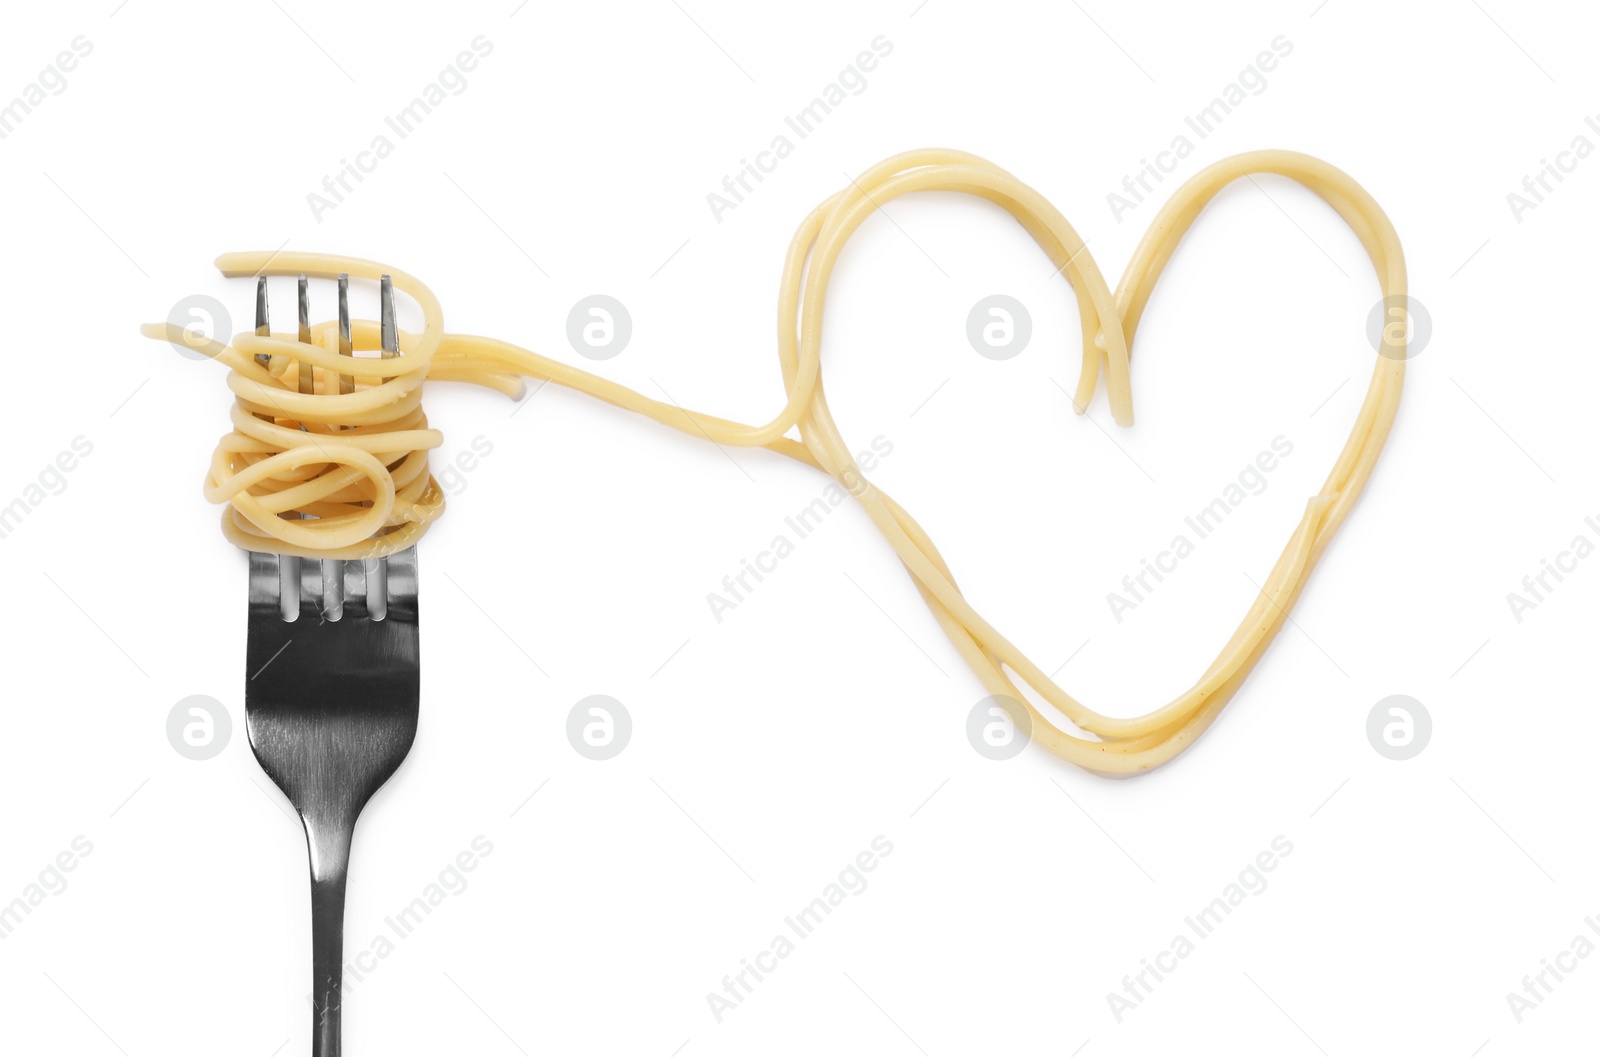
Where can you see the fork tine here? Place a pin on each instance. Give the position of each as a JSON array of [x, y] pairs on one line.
[[347, 382], [275, 577], [333, 590], [304, 336], [379, 588], [274, 585], [264, 586], [355, 589], [263, 318], [401, 585], [391, 338], [306, 375], [311, 587], [263, 328]]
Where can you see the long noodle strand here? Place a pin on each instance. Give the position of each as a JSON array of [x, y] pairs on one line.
[[357, 461]]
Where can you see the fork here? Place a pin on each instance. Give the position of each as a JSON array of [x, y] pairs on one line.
[[332, 692]]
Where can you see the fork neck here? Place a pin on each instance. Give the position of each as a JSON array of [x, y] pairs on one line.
[[328, 842]]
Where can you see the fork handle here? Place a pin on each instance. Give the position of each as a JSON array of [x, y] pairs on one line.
[[329, 832], [327, 963]]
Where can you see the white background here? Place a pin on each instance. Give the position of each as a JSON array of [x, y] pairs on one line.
[[827, 709]]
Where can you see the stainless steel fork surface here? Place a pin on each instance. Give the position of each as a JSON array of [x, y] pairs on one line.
[[331, 701]]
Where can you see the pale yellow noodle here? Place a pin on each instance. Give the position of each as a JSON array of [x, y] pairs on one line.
[[358, 461]]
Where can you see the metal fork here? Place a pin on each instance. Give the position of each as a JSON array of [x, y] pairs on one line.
[[331, 695]]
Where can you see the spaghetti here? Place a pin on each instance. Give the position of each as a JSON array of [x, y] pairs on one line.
[[357, 462]]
